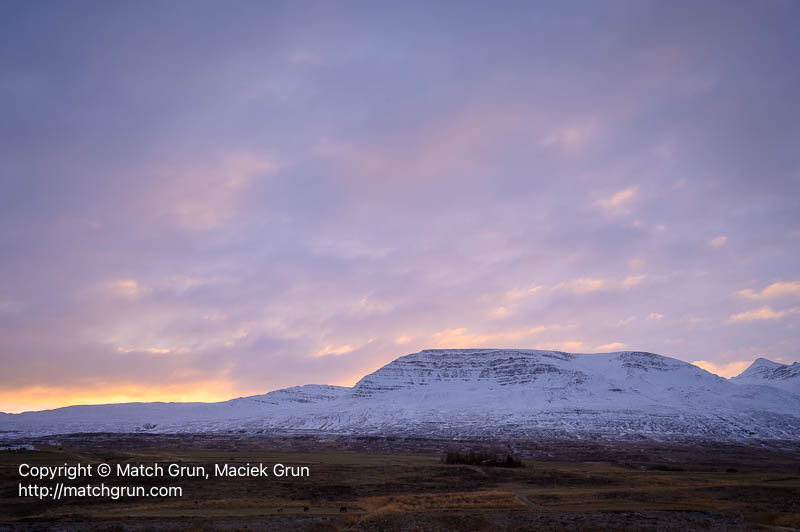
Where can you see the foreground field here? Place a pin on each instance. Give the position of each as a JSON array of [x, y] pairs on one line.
[[370, 490]]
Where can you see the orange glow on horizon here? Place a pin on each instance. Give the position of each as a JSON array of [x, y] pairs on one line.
[[45, 398]]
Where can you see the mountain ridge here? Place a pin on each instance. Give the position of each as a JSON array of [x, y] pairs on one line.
[[478, 393], [768, 373]]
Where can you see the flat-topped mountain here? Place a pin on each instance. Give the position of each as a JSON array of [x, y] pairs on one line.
[[480, 393]]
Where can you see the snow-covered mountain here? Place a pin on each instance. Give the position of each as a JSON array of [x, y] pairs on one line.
[[769, 373], [475, 393]]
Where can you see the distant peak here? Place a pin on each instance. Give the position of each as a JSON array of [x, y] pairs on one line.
[[762, 360], [762, 369]]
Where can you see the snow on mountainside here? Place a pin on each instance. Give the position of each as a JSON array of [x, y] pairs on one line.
[[310, 393], [769, 373], [475, 393]]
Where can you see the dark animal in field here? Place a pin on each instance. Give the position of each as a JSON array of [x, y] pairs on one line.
[[343, 509]]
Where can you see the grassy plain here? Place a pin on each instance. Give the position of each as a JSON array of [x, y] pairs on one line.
[[352, 489]]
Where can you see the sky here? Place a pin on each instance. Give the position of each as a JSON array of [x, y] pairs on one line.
[[205, 200]]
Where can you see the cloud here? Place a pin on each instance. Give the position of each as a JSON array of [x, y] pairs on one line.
[[632, 280], [439, 186], [402, 340], [568, 139], [154, 350], [626, 321], [203, 196], [637, 263], [499, 312], [441, 152], [761, 314], [582, 286], [617, 203], [773, 291], [654, 316], [460, 338], [184, 283], [718, 242], [724, 369], [368, 306], [693, 320], [126, 287], [175, 285], [613, 346], [522, 293], [331, 350], [586, 285], [570, 345]]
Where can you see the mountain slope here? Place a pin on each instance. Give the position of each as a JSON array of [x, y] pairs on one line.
[[476, 393], [769, 373]]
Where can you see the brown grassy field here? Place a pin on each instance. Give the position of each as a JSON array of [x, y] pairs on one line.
[[352, 490]]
